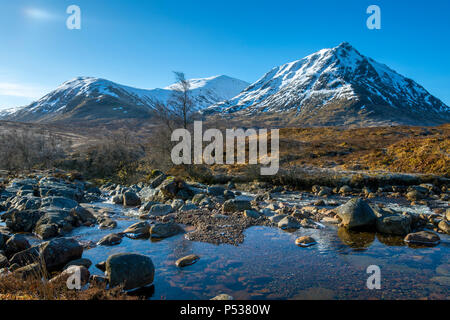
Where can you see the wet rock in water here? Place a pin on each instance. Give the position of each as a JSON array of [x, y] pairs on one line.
[[252, 214], [309, 224], [426, 238], [58, 252], [356, 213], [289, 223], [79, 262], [444, 226], [25, 257], [107, 223], [187, 261], [234, 205], [138, 230], [16, 244], [82, 271], [131, 270], [447, 214], [110, 240], [395, 224], [160, 210], [165, 230], [305, 241], [223, 297], [131, 199], [277, 218]]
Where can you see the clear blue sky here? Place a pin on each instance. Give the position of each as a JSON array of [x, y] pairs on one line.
[[140, 43]]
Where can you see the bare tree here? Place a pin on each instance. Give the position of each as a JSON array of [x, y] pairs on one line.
[[179, 108], [181, 101]]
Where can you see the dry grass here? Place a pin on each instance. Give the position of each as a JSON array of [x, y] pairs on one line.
[[13, 287], [395, 149]]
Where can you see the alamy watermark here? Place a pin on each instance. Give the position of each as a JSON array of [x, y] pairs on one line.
[[374, 280], [213, 153], [374, 20], [73, 22]]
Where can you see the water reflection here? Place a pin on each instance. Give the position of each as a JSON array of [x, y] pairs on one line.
[[355, 239], [391, 240]]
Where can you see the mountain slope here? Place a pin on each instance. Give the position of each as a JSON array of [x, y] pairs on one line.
[[337, 86], [87, 98]]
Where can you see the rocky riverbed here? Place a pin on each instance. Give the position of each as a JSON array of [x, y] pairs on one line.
[[187, 240]]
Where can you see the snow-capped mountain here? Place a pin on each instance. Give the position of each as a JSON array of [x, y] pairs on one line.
[[337, 86], [94, 98]]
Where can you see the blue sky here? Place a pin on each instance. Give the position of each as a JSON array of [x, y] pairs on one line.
[[140, 43]]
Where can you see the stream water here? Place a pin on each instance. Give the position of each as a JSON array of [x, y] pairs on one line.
[[268, 265]]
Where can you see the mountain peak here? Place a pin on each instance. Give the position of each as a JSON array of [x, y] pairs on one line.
[[93, 97], [342, 81]]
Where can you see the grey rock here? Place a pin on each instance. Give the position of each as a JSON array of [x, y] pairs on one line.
[[130, 270], [356, 213]]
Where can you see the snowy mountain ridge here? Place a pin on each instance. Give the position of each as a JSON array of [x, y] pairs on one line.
[[339, 75]]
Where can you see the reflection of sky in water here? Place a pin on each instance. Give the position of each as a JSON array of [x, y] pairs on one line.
[[268, 265]]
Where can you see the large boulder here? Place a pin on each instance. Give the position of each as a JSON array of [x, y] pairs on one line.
[[59, 202], [173, 188], [165, 230], [23, 221], [131, 199], [131, 270], [356, 213], [395, 225], [58, 252]]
